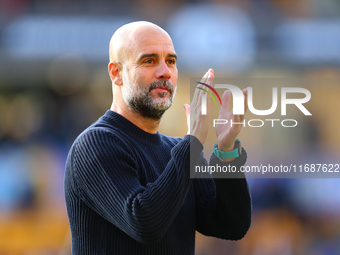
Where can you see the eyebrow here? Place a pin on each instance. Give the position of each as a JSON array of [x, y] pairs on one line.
[[172, 56], [155, 55]]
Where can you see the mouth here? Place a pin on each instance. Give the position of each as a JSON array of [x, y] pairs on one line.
[[162, 89]]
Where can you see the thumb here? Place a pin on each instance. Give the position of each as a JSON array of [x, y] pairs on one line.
[[187, 113], [187, 110]]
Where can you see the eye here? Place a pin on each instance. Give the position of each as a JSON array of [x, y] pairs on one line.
[[148, 61], [172, 61]]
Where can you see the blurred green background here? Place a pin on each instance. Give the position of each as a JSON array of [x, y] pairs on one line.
[[53, 69]]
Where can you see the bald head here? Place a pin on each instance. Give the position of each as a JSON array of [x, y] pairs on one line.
[[127, 39]]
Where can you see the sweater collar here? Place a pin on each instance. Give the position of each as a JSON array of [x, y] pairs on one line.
[[131, 129]]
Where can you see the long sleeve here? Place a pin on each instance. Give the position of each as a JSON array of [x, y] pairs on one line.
[[223, 205], [105, 173]]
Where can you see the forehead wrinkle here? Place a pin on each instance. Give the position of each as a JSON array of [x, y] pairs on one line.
[[154, 53], [150, 46]]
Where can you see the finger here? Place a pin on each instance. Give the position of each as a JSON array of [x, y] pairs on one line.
[[187, 110], [211, 77], [201, 90], [209, 81], [198, 91], [242, 116], [207, 74], [225, 101], [245, 93], [238, 118]]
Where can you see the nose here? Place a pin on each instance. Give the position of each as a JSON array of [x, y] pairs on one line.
[[163, 71]]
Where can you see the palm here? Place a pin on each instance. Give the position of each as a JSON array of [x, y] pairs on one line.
[[198, 124], [227, 133]]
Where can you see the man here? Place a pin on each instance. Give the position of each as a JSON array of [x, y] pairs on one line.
[[127, 187]]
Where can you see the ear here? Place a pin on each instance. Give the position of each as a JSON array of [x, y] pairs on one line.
[[114, 72]]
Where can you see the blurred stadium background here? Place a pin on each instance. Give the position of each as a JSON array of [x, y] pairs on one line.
[[53, 67]]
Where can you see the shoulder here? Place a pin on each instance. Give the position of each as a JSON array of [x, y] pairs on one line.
[[96, 151], [100, 133], [99, 141]]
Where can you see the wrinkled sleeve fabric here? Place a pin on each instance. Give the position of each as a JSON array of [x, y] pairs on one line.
[[223, 205], [107, 181]]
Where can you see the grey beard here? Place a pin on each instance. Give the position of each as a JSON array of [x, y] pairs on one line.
[[145, 104]]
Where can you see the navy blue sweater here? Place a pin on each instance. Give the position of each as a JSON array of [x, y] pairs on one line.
[[129, 192]]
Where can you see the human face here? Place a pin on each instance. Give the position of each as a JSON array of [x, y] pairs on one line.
[[150, 76]]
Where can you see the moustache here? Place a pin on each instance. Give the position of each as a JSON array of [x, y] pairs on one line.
[[162, 84]]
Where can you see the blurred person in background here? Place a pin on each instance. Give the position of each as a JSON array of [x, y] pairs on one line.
[[127, 187]]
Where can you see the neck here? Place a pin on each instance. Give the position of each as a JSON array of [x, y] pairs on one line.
[[147, 124]]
